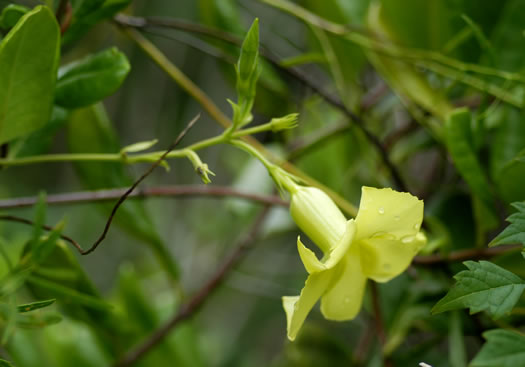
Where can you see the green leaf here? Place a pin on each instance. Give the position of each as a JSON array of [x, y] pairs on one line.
[[27, 307], [504, 348], [4, 363], [28, 62], [485, 286], [515, 231], [460, 145], [247, 75], [11, 15], [41, 140], [90, 131], [138, 147], [91, 79], [87, 13]]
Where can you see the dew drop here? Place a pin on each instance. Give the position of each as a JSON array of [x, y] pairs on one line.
[[387, 267], [381, 210], [397, 218], [407, 239], [416, 227], [347, 300]]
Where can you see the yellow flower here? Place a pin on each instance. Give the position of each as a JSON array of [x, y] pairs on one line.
[[379, 244]]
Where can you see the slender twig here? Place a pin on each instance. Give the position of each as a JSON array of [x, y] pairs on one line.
[[121, 199], [178, 24], [13, 218], [64, 14], [158, 191], [141, 178], [195, 303], [463, 255]]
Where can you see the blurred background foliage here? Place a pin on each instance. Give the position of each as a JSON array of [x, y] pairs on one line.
[[372, 74]]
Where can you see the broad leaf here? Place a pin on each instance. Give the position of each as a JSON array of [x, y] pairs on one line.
[[4, 363], [11, 15], [91, 79], [485, 286], [515, 232], [28, 63], [504, 348]]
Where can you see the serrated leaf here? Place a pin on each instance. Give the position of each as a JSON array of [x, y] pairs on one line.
[[91, 79], [504, 348], [484, 287], [27, 307], [28, 63], [138, 147], [515, 231]]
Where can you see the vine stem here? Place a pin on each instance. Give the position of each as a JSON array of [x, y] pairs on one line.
[[195, 303], [160, 59]]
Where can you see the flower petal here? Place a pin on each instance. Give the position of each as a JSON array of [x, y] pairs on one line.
[[385, 211], [343, 300], [332, 258], [298, 307], [383, 258]]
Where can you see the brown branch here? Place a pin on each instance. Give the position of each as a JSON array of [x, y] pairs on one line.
[[463, 255], [196, 302], [378, 320], [182, 25], [64, 14], [159, 191]]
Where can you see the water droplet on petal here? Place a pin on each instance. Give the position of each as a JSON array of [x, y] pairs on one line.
[[416, 226], [407, 239], [379, 234], [387, 267], [347, 299], [397, 218], [381, 210]]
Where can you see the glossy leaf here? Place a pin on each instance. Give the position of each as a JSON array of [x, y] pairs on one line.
[[41, 140], [515, 231], [27, 87], [91, 79], [504, 348], [11, 14], [484, 287]]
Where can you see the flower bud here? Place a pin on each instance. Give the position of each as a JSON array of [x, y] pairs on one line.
[[317, 216]]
